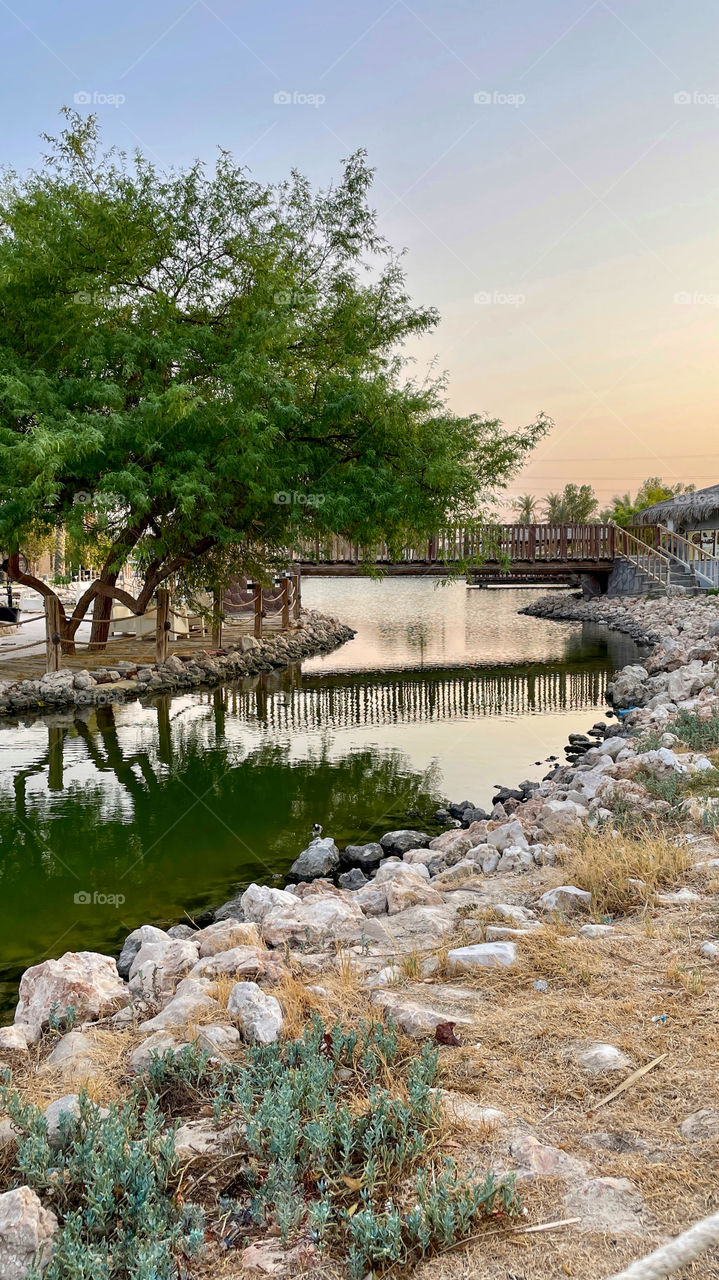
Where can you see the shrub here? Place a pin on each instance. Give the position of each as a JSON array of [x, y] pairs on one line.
[[626, 870]]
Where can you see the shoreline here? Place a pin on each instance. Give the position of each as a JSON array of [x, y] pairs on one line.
[[497, 941], [314, 634]]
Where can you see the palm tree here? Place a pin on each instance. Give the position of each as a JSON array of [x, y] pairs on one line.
[[526, 508]]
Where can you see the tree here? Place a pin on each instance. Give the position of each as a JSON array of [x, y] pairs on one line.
[[198, 369], [526, 508], [576, 504], [624, 510]]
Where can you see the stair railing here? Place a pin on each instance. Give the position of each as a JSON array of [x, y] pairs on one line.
[[654, 563], [703, 564]]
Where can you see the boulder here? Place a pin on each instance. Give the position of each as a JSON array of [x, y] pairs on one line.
[[481, 955], [84, 980], [415, 1018], [223, 935], [628, 687], [403, 892], [413, 872], [192, 1000], [132, 944], [398, 842], [372, 900], [259, 899], [12, 1041], [565, 900], [316, 921], [158, 1043], [241, 962], [320, 858], [217, 1039], [201, 1139], [69, 1106], [352, 880], [76, 1057], [700, 1125], [515, 858], [26, 1234], [364, 856], [259, 1015], [509, 834], [159, 966]]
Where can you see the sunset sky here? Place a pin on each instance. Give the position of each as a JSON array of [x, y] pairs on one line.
[[566, 224]]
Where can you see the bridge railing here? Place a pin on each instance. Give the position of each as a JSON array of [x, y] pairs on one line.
[[488, 544]]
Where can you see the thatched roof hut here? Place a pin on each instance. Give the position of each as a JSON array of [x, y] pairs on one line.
[[698, 510]]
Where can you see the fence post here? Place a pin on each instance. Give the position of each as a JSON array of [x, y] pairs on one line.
[[285, 603], [162, 624], [298, 595], [216, 619], [258, 612], [52, 633]]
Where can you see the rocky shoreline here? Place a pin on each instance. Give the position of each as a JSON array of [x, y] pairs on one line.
[[427, 929], [312, 634]]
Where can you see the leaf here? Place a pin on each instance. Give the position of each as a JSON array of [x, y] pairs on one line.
[[354, 1184], [444, 1033]]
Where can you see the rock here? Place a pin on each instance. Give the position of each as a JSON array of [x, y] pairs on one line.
[[223, 935], [190, 1001], [181, 931], [537, 1159], [510, 911], [628, 687], [320, 858], [354, 879], [364, 856], [600, 1057], [231, 910], [565, 900], [76, 1057], [12, 1041], [414, 1017], [241, 962], [560, 818], [510, 833], [466, 869], [259, 1015], [708, 949], [159, 966], [318, 920], [386, 977], [403, 893], [132, 944], [481, 955], [218, 1040], [159, 1043], [84, 980], [596, 930], [258, 900], [201, 1138], [611, 1205], [398, 842], [700, 1125], [26, 1234], [412, 872], [681, 898], [273, 1258], [69, 1106], [372, 900], [515, 858]]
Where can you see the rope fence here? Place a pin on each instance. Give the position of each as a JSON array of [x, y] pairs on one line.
[[677, 1253]]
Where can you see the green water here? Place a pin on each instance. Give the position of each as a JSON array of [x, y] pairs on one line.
[[142, 813]]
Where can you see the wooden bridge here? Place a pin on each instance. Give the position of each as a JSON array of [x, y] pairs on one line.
[[500, 552]]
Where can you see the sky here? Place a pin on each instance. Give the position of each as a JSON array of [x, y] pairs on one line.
[[551, 170]]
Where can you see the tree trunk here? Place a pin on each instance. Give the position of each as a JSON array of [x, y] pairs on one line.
[[101, 615]]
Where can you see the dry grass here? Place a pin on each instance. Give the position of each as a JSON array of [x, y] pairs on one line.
[[622, 872]]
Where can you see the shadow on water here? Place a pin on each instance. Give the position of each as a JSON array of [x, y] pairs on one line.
[[113, 816]]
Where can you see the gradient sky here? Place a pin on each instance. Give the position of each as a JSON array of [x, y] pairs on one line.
[[578, 204]]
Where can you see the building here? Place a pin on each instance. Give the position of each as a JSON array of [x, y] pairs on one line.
[[695, 516]]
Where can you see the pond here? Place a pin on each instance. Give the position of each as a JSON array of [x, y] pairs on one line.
[[141, 813]]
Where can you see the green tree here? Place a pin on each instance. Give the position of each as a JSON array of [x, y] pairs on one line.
[[576, 504], [625, 509], [198, 369], [525, 507]]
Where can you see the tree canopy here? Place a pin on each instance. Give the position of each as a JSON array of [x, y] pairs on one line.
[[196, 368], [625, 509], [576, 504]]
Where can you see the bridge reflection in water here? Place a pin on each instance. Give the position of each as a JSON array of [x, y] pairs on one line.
[[418, 696]]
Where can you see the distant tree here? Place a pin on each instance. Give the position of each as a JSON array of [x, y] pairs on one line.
[[197, 369], [576, 504], [525, 507], [625, 509]]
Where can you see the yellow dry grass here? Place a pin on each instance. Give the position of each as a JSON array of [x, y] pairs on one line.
[[623, 871]]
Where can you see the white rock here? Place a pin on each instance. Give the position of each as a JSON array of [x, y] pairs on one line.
[[26, 1234], [133, 942], [240, 962], [314, 921], [416, 1019], [509, 834], [226, 934], [710, 950], [259, 899], [259, 1015], [201, 1138], [190, 1001], [218, 1040], [160, 1042], [68, 1106], [76, 1057], [514, 858], [386, 977], [597, 1058], [159, 966], [596, 930], [700, 1125], [481, 955], [389, 871], [12, 1041], [371, 900], [84, 980], [612, 746], [565, 900], [403, 893]]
